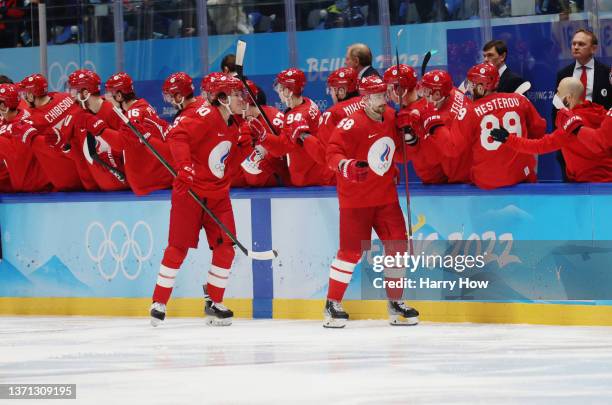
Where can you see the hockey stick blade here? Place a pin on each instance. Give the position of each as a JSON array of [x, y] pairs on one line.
[[425, 62], [523, 88], [267, 255], [240, 52]]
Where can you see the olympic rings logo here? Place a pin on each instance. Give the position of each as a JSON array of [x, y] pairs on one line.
[[58, 74], [118, 255]]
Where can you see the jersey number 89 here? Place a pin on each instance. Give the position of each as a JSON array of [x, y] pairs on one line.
[[511, 121]]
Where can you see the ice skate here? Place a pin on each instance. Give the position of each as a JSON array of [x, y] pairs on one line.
[[401, 314], [334, 315], [158, 313], [217, 314]]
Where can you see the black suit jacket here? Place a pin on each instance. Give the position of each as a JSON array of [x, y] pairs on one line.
[[370, 71], [509, 82], [602, 89]]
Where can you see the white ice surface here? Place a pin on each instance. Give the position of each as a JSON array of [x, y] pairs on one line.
[[125, 361]]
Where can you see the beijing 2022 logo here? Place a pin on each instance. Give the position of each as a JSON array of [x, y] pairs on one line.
[[120, 248]]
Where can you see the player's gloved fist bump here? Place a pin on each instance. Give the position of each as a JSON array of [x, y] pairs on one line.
[[500, 134], [355, 171], [184, 179], [257, 130], [410, 137], [431, 118], [407, 118], [94, 125], [297, 131], [570, 122]]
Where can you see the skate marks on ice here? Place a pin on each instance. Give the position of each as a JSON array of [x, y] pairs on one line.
[[265, 361]]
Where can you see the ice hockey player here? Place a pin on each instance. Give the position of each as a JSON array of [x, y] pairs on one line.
[[301, 121], [85, 132], [260, 168], [361, 151], [581, 164], [203, 144], [26, 174], [436, 88], [144, 172], [48, 113], [342, 87], [492, 165]]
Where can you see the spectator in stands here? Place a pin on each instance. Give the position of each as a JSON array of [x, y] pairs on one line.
[[496, 52], [593, 74], [359, 57], [11, 22], [228, 17]]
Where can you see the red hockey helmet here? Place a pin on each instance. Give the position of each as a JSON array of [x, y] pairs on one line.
[[206, 80], [402, 75], [9, 95], [485, 74], [372, 85], [344, 77], [293, 79], [84, 79], [35, 84], [178, 83], [437, 80], [224, 84], [120, 82]]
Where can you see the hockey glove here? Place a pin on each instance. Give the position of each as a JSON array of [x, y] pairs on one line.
[[408, 121], [569, 122], [297, 131], [184, 179], [132, 138], [93, 124], [431, 118], [355, 171], [500, 134], [254, 130]]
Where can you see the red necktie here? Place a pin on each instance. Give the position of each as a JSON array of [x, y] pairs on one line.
[[583, 79]]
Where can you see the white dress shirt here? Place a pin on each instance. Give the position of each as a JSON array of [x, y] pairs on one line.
[[502, 69], [590, 76]]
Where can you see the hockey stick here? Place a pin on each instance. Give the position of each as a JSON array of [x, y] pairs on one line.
[[267, 255], [404, 151], [91, 148], [523, 88], [240, 51]]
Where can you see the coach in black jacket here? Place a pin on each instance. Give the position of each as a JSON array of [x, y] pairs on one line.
[[495, 52], [597, 74]]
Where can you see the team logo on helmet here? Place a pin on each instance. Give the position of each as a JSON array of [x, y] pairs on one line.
[[380, 155], [217, 158], [436, 78]]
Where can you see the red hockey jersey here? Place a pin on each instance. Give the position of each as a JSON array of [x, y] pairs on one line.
[[598, 140], [25, 173], [362, 138], [303, 168], [144, 172], [56, 163], [493, 166], [209, 143]]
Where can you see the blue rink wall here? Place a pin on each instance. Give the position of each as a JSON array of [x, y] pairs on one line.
[[99, 253]]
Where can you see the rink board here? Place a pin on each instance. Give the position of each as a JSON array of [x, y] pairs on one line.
[[98, 254]]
